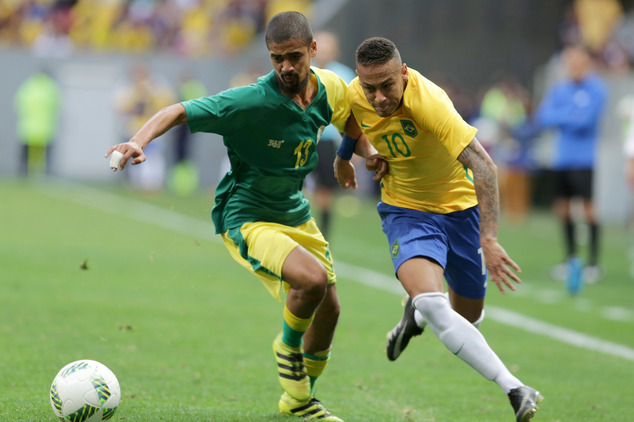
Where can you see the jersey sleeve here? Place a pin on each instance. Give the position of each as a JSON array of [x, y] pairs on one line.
[[432, 109], [337, 91], [222, 113]]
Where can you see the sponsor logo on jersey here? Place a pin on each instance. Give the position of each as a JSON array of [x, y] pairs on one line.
[[409, 128], [275, 144]]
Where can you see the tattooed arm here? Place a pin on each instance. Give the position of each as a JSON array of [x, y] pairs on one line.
[[486, 186]]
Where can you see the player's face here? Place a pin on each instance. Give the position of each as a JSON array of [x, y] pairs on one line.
[[383, 85], [291, 64]]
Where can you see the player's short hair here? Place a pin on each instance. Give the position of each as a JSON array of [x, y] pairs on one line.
[[287, 26], [377, 50]]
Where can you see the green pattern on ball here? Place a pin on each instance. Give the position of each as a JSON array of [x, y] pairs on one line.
[[57, 402], [101, 387], [82, 414]]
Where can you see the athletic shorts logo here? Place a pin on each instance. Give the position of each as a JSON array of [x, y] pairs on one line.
[[410, 128], [395, 249]]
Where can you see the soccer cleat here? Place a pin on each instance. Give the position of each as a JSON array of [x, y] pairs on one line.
[[559, 272], [399, 337], [592, 274], [310, 410], [574, 282], [524, 400], [291, 369]]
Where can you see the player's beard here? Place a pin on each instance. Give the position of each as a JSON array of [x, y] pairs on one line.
[[293, 85]]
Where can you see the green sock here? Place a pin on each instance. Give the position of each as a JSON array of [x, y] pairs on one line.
[[293, 328]]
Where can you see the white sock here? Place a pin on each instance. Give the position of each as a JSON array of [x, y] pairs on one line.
[[463, 339], [420, 321]]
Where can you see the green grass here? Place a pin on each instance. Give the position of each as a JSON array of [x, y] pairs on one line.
[[188, 332]]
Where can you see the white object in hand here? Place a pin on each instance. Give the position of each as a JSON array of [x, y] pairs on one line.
[[115, 160]]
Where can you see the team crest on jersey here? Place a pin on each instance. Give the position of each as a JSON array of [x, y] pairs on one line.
[[319, 132], [394, 248], [409, 128]]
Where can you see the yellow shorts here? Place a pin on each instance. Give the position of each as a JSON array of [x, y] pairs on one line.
[[262, 249]]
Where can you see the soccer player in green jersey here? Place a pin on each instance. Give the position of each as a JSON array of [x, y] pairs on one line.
[[270, 129], [439, 210]]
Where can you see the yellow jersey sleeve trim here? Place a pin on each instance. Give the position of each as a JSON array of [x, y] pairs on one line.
[[337, 93]]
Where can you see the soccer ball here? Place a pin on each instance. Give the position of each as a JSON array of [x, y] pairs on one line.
[[85, 390]]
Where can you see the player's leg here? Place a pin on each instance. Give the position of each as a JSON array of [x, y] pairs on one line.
[[317, 343], [583, 188], [413, 324], [564, 190], [454, 331], [317, 339], [466, 277], [271, 253], [471, 309], [404, 229], [308, 281]]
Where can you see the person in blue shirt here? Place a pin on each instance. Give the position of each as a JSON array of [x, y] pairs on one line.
[[574, 108]]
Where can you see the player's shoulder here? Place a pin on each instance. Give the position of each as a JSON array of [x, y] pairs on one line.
[[421, 92], [421, 83], [327, 77]]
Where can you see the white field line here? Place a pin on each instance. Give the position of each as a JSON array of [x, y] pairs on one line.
[[182, 224]]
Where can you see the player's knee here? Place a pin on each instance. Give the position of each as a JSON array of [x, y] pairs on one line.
[[315, 282], [434, 307], [478, 321]]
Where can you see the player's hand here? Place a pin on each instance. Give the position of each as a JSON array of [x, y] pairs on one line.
[[344, 173], [502, 269], [129, 150], [378, 164]]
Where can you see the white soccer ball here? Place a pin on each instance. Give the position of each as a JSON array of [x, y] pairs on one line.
[[85, 390]]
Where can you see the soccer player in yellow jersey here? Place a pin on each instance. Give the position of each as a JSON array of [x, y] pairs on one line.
[[439, 209]]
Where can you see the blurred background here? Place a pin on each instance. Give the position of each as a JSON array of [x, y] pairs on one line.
[[104, 66]]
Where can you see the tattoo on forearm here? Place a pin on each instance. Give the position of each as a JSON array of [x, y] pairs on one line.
[[486, 186]]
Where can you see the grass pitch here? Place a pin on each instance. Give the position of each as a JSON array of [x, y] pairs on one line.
[[142, 285]]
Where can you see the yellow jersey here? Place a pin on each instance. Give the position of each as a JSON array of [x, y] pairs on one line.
[[421, 142]]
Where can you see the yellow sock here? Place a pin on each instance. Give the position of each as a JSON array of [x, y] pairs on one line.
[[315, 365], [294, 328]]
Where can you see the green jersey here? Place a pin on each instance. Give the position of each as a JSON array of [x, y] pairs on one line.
[[271, 143]]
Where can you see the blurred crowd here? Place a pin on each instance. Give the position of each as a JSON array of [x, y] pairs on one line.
[[190, 28]]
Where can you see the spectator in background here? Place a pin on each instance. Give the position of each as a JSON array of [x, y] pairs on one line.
[[138, 99], [597, 20], [504, 106], [323, 176], [184, 178], [625, 108], [37, 104], [628, 146], [520, 165], [574, 107]]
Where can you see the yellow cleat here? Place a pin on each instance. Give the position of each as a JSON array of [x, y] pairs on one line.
[[310, 410], [291, 370]]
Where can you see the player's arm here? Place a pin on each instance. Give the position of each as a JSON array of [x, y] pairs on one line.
[[485, 180], [355, 141], [157, 125]]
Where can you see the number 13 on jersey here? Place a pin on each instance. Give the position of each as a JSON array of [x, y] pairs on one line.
[[302, 152]]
